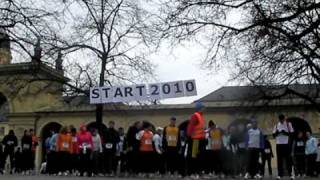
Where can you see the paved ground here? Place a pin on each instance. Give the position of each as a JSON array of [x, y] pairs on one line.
[[43, 177]]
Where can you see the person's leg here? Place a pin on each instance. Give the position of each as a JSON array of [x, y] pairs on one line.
[[288, 159], [279, 160], [269, 166]]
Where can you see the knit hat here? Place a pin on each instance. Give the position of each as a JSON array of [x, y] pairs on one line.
[[199, 105]]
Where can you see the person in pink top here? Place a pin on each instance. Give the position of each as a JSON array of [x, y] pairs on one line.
[[85, 145]]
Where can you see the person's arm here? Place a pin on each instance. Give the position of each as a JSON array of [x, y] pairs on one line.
[[261, 140], [100, 144], [58, 143], [191, 124], [15, 141], [275, 131], [156, 142], [139, 135]]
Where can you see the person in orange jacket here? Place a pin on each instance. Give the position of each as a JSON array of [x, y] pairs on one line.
[[196, 144], [146, 149], [64, 149]]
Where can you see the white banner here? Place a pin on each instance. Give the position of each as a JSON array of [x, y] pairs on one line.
[[142, 92]]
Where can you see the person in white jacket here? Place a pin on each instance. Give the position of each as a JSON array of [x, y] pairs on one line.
[[96, 152], [159, 159]]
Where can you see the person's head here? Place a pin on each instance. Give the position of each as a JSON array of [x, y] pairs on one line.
[[147, 126], [211, 124], [83, 128], [300, 134], [94, 131], [64, 130], [173, 121], [26, 133], [111, 124], [232, 129], [199, 106], [308, 134], [11, 132], [73, 131], [159, 130], [121, 131], [254, 124], [138, 124], [281, 118], [31, 132]]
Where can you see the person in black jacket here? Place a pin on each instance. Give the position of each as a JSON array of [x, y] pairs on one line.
[[110, 140], [267, 155], [171, 145], [133, 147], [9, 141], [1, 159], [26, 144], [298, 151]]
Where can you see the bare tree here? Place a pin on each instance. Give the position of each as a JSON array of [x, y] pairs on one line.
[[110, 37], [269, 42]]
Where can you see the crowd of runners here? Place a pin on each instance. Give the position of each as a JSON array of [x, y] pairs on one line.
[[192, 149]]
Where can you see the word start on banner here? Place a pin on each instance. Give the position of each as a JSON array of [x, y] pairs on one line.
[[142, 92]]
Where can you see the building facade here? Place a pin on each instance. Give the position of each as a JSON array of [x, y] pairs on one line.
[[31, 98]]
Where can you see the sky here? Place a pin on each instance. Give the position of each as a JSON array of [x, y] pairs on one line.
[[184, 63]]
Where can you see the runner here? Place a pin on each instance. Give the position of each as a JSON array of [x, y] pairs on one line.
[[171, 146]]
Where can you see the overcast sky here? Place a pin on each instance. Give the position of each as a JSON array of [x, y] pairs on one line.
[[184, 63]]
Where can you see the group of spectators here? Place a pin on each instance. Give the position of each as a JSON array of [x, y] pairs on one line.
[[195, 150], [22, 158]]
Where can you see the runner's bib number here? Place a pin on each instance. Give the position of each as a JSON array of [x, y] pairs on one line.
[[148, 142], [299, 144], [109, 146], [26, 146], [172, 138], [267, 151], [65, 145]]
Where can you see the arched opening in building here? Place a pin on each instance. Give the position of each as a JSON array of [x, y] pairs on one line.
[[94, 125], [4, 108], [299, 125], [45, 133]]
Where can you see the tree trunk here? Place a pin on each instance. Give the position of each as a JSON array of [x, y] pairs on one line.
[[99, 107]]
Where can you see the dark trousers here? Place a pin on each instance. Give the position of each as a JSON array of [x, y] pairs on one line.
[[11, 158], [52, 162], [109, 162], [253, 164], [196, 165], [213, 161], [300, 166], [266, 160], [133, 160], [85, 162], [159, 163], [171, 157], [284, 157], [27, 161], [242, 160], [147, 162], [64, 161], [74, 162], [96, 162], [311, 165], [121, 162]]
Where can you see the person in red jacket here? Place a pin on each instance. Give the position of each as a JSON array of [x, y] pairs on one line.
[[196, 143], [85, 148]]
